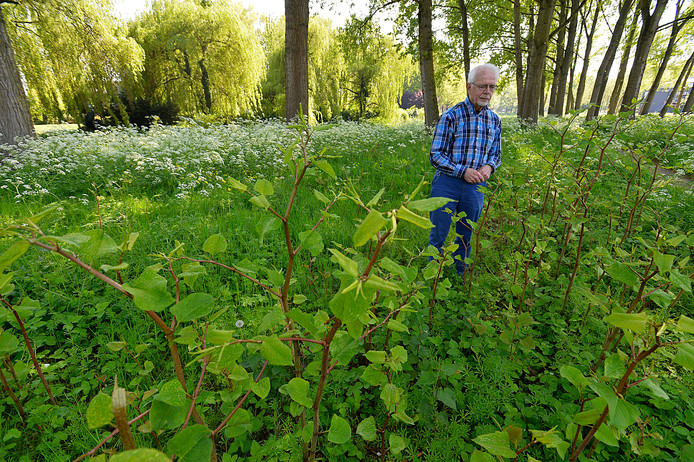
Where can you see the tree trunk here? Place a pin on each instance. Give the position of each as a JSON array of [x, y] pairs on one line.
[[680, 78], [426, 64], [690, 101], [205, 80], [604, 70], [586, 57], [15, 117], [559, 58], [537, 54], [518, 51], [296, 64], [649, 28], [676, 27], [466, 36], [619, 81], [567, 59]]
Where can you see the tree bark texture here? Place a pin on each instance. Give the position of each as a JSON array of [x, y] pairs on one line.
[[15, 116], [518, 51], [466, 36], [559, 56], [296, 64], [604, 70], [649, 27], [619, 80], [426, 63], [533, 90], [567, 59], [674, 32], [684, 75], [586, 57]]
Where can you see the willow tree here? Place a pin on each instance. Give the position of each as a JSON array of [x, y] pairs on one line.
[[326, 71], [70, 53], [206, 57]]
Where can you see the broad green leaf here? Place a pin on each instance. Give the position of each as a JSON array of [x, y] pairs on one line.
[[321, 197], [622, 273], [262, 387], [367, 429], [326, 167], [685, 356], [149, 291], [391, 396], [350, 266], [551, 439], [606, 434], [192, 444], [428, 205], [344, 347], [632, 321], [194, 306], [215, 244], [663, 261], [276, 352], [680, 281], [8, 343], [378, 283], [587, 417], [496, 443], [5, 279], [304, 320], [298, 390], [685, 324], [407, 215], [312, 241], [264, 187], [230, 355], [396, 443], [260, 201], [397, 326], [340, 432], [42, 214], [373, 377], [271, 319], [190, 272], [528, 343], [107, 268], [614, 366], [116, 346], [141, 455], [129, 243], [655, 388], [479, 456], [398, 354], [238, 424], [371, 225], [98, 245], [237, 184], [447, 397], [377, 197], [271, 223], [515, 435], [172, 393], [15, 251], [375, 356], [100, 411], [661, 298]]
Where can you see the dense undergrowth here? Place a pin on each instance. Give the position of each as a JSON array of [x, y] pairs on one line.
[[294, 302]]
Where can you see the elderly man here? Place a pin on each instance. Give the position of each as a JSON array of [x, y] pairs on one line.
[[465, 152]]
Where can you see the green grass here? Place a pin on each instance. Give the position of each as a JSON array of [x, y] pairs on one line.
[[463, 377]]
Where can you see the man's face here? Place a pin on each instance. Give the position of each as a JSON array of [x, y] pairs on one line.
[[480, 97]]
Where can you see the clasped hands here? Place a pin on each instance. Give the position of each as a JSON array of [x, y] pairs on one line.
[[477, 176]]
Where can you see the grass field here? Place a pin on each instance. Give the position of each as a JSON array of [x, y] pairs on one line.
[[582, 264]]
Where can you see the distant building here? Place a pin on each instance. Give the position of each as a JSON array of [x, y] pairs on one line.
[[662, 95]]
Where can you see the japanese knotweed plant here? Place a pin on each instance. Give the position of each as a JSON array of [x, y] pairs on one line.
[[371, 292]]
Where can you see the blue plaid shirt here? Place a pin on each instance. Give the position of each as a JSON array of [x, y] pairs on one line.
[[465, 139]]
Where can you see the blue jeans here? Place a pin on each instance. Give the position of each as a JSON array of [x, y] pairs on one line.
[[465, 197]]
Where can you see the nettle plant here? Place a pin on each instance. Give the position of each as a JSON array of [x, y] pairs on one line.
[[371, 292]]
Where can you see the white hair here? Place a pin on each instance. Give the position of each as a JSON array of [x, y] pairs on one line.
[[487, 67]]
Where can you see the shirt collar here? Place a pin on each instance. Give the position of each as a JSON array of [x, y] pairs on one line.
[[471, 108]]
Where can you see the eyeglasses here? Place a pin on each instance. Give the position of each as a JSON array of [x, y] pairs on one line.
[[484, 87]]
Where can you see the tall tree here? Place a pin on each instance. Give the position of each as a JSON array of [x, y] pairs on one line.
[[683, 76], [529, 107], [677, 24], [426, 63], [649, 27], [563, 62], [596, 8], [619, 79], [296, 54], [15, 118], [604, 70]]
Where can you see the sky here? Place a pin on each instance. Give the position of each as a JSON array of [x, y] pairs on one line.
[[128, 9]]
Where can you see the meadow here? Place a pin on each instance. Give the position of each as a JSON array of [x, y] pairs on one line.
[[260, 291]]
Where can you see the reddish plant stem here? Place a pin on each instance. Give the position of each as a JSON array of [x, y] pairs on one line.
[[105, 440], [238, 405], [32, 353], [16, 400], [205, 361]]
